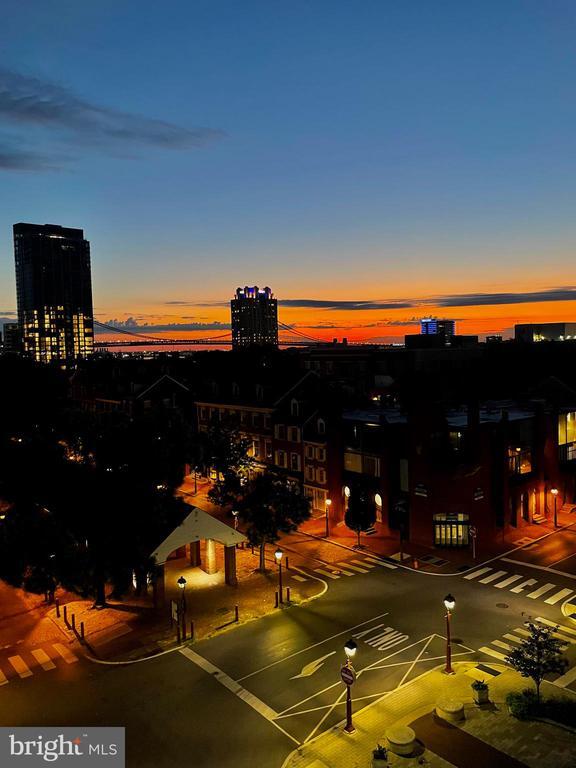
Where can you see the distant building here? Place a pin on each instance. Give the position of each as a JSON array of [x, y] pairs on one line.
[[432, 326], [54, 292], [495, 339], [11, 337], [531, 332], [254, 318]]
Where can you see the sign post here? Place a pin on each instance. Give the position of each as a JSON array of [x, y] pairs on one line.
[[473, 533], [348, 675]]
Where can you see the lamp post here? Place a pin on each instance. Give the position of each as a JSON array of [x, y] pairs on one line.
[[195, 480], [328, 505], [449, 604], [348, 675], [554, 492], [278, 555], [235, 515]]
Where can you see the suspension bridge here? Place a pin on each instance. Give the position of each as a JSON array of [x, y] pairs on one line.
[[133, 338]]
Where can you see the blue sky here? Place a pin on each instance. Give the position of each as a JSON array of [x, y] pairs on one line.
[[333, 150]]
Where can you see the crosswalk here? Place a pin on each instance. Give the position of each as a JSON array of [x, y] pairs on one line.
[[498, 649], [518, 583], [352, 567], [28, 662]]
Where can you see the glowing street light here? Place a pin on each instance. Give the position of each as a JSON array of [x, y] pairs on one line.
[[449, 603], [348, 675], [278, 555], [554, 492], [328, 503]]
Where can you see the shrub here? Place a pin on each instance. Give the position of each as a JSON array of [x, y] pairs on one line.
[[479, 685], [525, 706], [522, 705]]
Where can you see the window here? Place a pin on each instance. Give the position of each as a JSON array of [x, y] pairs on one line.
[[309, 473], [371, 465], [281, 459], [567, 428], [321, 425], [295, 462], [519, 461], [321, 476], [294, 434], [203, 413], [295, 408], [455, 440], [451, 530], [320, 454], [243, 417], [309, 451], [268, 445], [266, 421], [353, 461], [256, 449], [318, 497], [256, 420], [280, 432]]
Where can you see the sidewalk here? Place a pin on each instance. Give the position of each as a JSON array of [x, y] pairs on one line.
[[383, 543], [488, 732]]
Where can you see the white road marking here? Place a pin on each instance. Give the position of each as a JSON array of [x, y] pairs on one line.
[[566, 678], [355, 568], [513, 638], [477, 573], [225, 680], [344, 569], [66, 654], [538, 567], [491, 652], [541, 591], [43, 659], [382, 563], [520, 587], [363, 564], [523, 632], [564, 628], [3, 678], [502, 644], [329, 574], [298, 578], [20, 666], [553, 599], [493, 577], [313, 666], [508, 581]]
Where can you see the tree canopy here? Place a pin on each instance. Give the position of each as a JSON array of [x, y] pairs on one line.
[[537, 655]]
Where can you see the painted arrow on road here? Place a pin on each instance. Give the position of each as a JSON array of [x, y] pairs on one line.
[[313, 666]]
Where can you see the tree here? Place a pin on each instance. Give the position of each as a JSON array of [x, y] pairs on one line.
[[537, 655], [270, 507], [361, 512], [227, 454]]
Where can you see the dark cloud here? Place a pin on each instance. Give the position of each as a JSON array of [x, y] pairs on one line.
[[62, 115], [564, 293], [329, 304]]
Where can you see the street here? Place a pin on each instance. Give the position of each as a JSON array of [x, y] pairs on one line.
[[275, 683]]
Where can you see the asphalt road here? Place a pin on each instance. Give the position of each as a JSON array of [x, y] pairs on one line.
[[253, 694]]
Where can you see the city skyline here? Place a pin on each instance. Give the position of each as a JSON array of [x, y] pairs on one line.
[[395, 163]]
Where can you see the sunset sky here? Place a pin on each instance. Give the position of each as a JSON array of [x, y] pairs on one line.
[[374, 162]]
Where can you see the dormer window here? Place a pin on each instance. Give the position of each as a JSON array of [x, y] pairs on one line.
[[295, 408], [235, 389], [321, 425]]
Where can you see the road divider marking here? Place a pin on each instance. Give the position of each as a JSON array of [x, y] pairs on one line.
[[493, 577], [249, 698], [562, 595], [477, 573], [20, 666], [66, 654], [43, 659], [541, 591]]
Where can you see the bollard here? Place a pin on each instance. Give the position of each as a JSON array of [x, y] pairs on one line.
[[252, 550], [73, 622], [66, 616], [191, 630], [57, 609], [178, 633], [287, 564], [82, 631], [183, 631], [288, 594], [276, 601], [236, 613]]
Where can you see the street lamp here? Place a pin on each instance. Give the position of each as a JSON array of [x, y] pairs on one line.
[[348, 676], [278, 555], [328, 505], [235, 515], [181, 612], [554, 492], [449, 604]]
